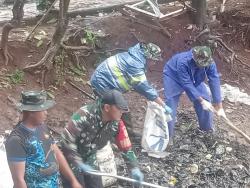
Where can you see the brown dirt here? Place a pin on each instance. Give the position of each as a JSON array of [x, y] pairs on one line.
[[120, 31]]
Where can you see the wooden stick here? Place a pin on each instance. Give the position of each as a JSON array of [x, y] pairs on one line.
[[228, 122], [142, 22], [79, 89], [231, 125], [41, 20], [165, 31]]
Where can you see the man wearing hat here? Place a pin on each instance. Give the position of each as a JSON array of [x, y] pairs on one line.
[[89, 131], [126, 71], [34, 159], [187, 72]]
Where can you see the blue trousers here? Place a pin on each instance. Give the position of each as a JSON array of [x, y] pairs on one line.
[[205, 118]]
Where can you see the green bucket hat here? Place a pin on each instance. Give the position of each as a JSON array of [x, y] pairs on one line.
[[152, 51], [34, 101], [202, 56]]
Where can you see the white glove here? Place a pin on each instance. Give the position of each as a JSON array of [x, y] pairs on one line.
[[221, 113], [207, 105]]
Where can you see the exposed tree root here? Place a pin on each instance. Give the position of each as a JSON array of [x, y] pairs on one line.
[[4, 43], [75, 47], [48, 58], [17, 17], [46, 63]]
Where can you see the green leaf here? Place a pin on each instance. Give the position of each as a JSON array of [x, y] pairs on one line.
[[39, 43]]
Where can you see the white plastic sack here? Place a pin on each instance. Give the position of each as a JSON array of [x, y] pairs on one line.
[[5, 175], [106, 162], [155, 133], [233, 94]]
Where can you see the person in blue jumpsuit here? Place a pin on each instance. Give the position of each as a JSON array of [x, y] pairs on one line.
[[187, 72], [126, 71]]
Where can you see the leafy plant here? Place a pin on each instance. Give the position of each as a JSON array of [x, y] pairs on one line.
[[89, 38], [16, 77]]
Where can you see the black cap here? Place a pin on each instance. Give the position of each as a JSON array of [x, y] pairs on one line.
[[114, 97]]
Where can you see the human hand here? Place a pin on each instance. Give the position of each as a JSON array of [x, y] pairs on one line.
[[221, 113], [85, 167], [207, 105], [137, 174], [167, 109]]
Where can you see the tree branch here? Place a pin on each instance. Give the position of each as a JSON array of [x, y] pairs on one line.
[[75, 47], [41, 20]]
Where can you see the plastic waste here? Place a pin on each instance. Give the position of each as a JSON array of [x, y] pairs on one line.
[[155, 133]]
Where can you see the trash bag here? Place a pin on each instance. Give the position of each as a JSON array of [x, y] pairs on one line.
[[106, 162], [155, 133], [5, 175]]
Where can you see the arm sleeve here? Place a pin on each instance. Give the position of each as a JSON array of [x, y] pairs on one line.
[[125, 146], [145, 89], [69, 136], [139, 82], [187, 83], [214, 82], [131, 159], [15, 150]]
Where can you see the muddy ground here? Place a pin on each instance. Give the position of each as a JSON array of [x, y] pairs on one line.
[[122, 33]]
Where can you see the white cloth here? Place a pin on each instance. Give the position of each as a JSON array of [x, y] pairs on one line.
[[5, 175]]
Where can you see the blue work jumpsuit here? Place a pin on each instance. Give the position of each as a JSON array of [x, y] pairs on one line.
[[182, 74]]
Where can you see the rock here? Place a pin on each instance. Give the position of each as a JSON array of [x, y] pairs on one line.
[[189, 27], [78, 17], [194, 168], [7, 132], [229, 149], [172, 181], [220, 149], [184, 147], [100, 14], [148, 168], [208, 156]]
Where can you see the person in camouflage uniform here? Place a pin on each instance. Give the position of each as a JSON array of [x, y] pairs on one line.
[[187, 71], [90, 129], [126, 71]]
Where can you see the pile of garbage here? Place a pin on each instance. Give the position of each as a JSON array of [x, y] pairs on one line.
[[234, 94], [198, 159]]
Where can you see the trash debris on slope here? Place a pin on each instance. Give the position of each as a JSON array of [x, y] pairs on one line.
[[233, 94], [197, 159]]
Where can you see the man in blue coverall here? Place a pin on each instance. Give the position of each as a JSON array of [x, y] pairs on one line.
[[126, 71], [187, 72]]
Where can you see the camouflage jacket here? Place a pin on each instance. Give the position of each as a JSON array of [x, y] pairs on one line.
[[86, 133]]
